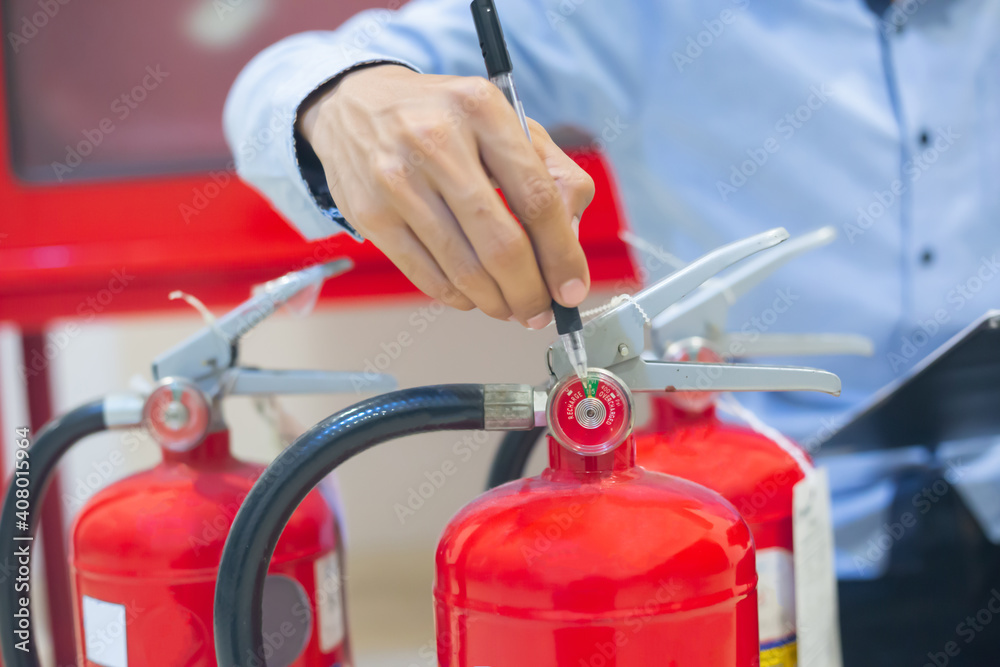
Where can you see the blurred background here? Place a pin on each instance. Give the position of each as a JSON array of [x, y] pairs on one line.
[[390, 552], [116, 187]]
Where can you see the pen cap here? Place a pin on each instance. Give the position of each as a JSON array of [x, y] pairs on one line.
[[567, 319], [491, 41]]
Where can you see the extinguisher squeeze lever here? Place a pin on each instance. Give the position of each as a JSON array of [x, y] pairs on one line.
[[616, 338], [704, 312], [214, 347], [209, 358]]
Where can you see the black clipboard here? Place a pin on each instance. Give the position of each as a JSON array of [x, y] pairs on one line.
[[952, 394]]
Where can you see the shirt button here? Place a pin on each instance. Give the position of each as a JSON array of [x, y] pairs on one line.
[[927, 257], [924, 138]]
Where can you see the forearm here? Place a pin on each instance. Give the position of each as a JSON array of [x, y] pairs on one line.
[[559, 75], [262, 110]]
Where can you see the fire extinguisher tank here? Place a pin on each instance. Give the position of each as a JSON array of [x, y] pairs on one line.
[[147, 549], [702, 448], [597, 562]]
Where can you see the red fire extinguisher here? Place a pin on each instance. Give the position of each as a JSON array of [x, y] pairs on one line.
[[756, 474], [145, 550], [756, 471], [594, 562]]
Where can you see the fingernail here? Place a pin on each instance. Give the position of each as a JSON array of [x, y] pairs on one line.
[[573, 292], [512, 319], [540, 321], [575, 224]]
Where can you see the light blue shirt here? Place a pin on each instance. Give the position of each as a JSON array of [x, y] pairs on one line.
[[722, 118]]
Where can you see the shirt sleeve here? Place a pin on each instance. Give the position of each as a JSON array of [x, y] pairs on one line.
[[576, 62]]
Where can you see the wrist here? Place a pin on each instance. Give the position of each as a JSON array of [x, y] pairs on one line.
[[309, 110]]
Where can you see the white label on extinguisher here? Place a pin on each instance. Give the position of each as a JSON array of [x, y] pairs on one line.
[[817, 615], [776, 596], [104, 628], [329, 602]]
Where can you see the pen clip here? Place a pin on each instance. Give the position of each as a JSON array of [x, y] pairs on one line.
[[491, 40]]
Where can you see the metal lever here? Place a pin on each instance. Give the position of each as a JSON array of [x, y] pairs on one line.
[[251, 381], [642, 375], [619, 333], [660, 296], [212, 348], [704, 312], [738, 345]]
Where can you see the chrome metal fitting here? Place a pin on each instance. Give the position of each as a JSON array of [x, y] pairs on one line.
[[509, 407], [123, 410]]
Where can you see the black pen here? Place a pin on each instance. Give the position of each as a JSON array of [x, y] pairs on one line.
[[499, 69]]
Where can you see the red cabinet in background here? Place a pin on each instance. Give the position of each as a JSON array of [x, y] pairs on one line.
[[116, 184]]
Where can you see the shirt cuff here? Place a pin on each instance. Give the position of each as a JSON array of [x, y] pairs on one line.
[[309, 166]]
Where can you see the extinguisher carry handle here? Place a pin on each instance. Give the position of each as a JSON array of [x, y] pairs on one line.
[[795, 345], [693, 297], [705, 311], [619, 334], [642, 375], [18, 527]]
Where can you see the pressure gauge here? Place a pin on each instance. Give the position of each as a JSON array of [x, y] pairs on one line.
[[591, 416], [177, 415]]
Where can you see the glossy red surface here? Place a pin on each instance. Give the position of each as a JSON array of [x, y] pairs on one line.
[[747, 468], [757, 476], [152, 542], [596, 562]]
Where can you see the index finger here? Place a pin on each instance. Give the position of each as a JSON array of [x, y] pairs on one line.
[[537, 201]]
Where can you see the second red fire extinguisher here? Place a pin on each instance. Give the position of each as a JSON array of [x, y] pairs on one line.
[[756, 468], [145, 550], [758, 472]]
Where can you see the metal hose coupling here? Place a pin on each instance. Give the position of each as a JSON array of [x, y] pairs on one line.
[[513, 407]]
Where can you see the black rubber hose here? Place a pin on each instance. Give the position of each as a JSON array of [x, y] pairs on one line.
[[512, 457], [44, 453], [289, 479]]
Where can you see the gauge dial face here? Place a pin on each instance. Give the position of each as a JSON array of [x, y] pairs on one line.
[[177, 415], [591, 416]]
